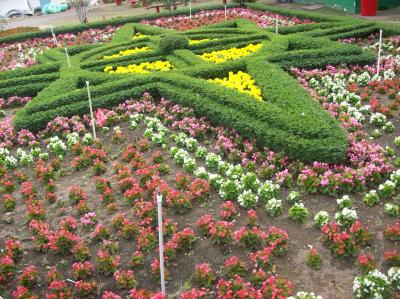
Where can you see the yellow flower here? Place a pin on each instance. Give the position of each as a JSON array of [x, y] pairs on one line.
[[142, 68], [230, 54], [240, 81], [127, 52], [198, 41], [139, 35]]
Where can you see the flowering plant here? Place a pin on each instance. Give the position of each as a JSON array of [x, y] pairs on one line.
[[366, 262], [394, 277], [248, 199], [234, 266], [346, 217], [249, 238], [392, 232], [392, 209], [221, 232], [227, 211], [371, 198], [125, 279], [274, 207], [321, 218], [392, 258], [314, 260], [106, 263], [298, 212], [372, 285], [82, 270], [204, 275]]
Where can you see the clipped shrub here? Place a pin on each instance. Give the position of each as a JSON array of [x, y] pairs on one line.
[[173, 42]]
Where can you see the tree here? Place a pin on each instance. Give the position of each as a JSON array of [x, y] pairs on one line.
[[80, 7]]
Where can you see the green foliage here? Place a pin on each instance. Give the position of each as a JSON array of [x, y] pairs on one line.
[[171, 42]]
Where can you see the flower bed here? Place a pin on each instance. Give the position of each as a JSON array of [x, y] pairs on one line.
[[230, 54], [241, 82], [263, 217], [262, 19], [23, 54], [142, 68]]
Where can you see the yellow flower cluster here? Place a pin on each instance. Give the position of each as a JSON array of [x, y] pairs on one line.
[[142, 68], [139, 35], [198, 41], [230, 54], [127, 52], [240, 81]]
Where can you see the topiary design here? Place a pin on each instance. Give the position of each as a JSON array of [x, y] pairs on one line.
[[285, 117]]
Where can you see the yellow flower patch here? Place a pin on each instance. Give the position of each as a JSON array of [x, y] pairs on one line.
[[127, 52], [139, 35], [230, 54], [240, 81], [142, 68], [198, 41]]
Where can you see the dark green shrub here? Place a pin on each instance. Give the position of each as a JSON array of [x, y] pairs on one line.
[[171, 42]]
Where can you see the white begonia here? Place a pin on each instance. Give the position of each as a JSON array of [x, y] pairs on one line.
[[201, 152], [395, 177], [247, 199], [391, 209], [305, 295], [372, 285], [274, 207], [57, 146], [321, 218], [378, 119], [72, 138], [268, 190], [344, 201], [394, 277], [212, 161], [202, 173], [10, 162], [87, 139], [346, 217], [4, 153]]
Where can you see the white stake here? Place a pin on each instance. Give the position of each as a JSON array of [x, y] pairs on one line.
[[225, 13], [161, 241], [66, 54], [54, 36], [276, 25], [379, 52], [190, 9], [91, 110]]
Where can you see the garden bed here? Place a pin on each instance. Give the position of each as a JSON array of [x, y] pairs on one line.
[[277, 161]]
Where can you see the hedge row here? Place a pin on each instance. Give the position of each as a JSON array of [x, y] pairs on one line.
[[318, 55], [24, 72]]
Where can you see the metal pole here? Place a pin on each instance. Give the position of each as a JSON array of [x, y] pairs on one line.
[[379, 52], [91, 110], [66, 54], [160, 240], [276, 25], [190, 9]]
